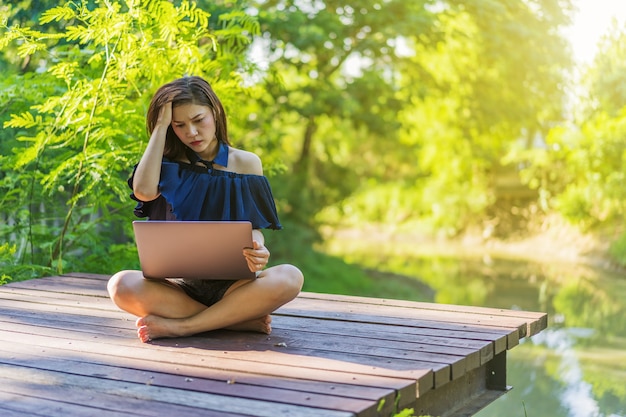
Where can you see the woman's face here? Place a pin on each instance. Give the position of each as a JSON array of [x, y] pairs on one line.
[[194, 125]]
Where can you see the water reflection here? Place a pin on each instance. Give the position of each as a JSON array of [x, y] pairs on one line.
[[576, 367]]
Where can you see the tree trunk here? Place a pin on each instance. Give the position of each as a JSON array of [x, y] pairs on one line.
[[302, 165]]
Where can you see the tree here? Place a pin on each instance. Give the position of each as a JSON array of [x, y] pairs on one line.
[[588, 152], [498, 83], [330, 87], [424, 99], [78, 119]]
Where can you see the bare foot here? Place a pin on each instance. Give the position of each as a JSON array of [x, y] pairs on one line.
[[155, 327], [260, 325]]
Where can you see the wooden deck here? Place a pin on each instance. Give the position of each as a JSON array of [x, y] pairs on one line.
[[66, 350]]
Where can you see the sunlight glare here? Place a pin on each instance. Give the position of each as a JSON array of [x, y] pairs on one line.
[[590, 22]]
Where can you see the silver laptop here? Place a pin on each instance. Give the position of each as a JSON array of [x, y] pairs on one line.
[[193, 249]]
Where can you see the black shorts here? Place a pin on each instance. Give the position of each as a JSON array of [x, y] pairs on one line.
[[205, 291]]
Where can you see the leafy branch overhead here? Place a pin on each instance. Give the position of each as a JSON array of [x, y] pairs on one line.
[[77, 141]]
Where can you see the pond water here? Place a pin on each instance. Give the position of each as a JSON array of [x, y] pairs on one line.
[[574, 368], [577, 366]]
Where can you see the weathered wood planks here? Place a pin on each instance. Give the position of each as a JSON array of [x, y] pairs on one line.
[[65, 349]]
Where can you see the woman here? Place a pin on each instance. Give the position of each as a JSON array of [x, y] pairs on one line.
[[185, 173]]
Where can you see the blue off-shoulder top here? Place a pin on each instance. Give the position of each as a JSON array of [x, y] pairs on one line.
[[194, 192]]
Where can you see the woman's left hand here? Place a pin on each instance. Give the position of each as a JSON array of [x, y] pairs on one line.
[[257, 257]]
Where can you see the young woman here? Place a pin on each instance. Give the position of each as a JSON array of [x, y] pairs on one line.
[[189, 171]]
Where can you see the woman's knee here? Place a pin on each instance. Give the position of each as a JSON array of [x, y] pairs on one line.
[[292, 279], [122, 284]]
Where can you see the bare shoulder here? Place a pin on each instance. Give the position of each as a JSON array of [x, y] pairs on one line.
[[244, 162]]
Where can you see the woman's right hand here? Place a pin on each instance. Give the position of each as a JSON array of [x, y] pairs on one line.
[[165, 114]]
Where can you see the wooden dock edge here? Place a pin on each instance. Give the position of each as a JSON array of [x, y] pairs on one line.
[[446, 378], [462, 397]]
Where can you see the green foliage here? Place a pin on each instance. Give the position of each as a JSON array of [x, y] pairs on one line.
[[331, 274], [618, 250], [479, 97], [408, 412], [322, 273], [330, 91], [76, 124], [411, 97], [604, 80], [586, 305], [580, 171], [395, 112], [12, 271]]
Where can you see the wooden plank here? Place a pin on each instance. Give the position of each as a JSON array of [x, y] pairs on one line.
[[355, 363], [34, 301], [457, 368], [44, 294], [471, 319], [253, 348], [68, 285], [460, 359], [89, 387], [240, 389], [28, 399], [439, 370], [475, 352], [260, 362], [434, 337], [456, 359], [447, 340], [7, 400], [96, 287], [88, 275], [127, 336], [509, 337], [315, 345], [536, 321], [24, 296], [27, 402], [382, 353], [25, 305], [332, 380], [149, 370], [49, 289], [326, 353]]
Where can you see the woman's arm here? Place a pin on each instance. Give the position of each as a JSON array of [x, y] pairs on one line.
[[148, 172], [257, 235]]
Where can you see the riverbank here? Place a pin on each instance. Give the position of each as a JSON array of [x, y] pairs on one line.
[[556, 241]]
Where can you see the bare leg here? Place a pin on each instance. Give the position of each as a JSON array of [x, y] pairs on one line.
[[260, 325], [166, 311], [139, 296]]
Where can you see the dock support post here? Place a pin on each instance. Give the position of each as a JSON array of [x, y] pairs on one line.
[[496, 372]]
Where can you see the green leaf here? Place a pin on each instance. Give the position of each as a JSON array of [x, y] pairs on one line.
[[25, 120], [26, 156], [7, 38], [81, 33], [64, 70], [29, 48], [57, 14]]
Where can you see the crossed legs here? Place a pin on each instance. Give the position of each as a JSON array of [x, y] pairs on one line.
[[165, 310]]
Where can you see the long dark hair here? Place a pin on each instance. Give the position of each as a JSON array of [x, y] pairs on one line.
[[186, 90]]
